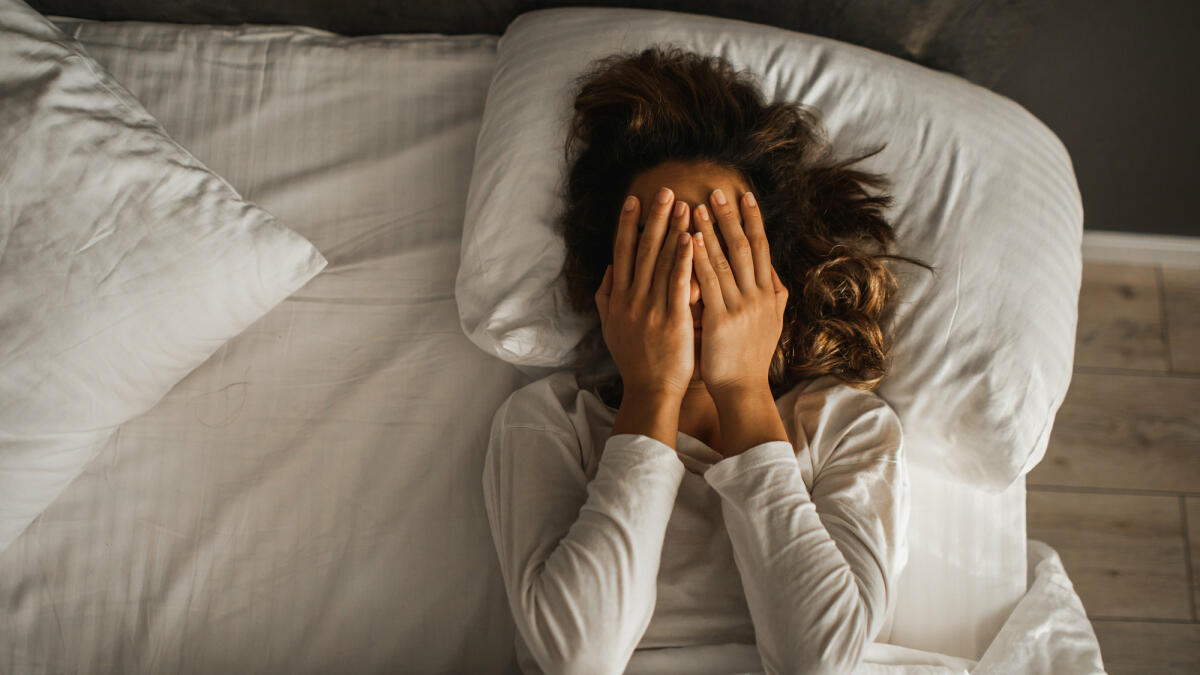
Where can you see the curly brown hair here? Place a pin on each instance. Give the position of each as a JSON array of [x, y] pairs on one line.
[[634, 111]]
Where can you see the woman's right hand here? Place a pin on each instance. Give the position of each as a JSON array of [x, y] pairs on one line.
[[644, 312]]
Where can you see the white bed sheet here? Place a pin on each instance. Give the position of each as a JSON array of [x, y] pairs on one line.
[[308, 499]]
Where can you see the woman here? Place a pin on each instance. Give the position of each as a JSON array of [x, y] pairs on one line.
[[735, 485]]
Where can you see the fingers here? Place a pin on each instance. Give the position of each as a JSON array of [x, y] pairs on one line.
[[651, 241], [710, 287], [737, 245], [623, 245], [681, 275], [717, 262], [759, 246], [660, 287]]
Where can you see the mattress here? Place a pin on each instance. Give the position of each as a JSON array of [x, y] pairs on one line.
[[308, 499]]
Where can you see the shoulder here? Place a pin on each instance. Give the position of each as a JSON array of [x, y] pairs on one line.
[[837, 418], [557, 404], [546, 403], [554, 407], [836, 399]]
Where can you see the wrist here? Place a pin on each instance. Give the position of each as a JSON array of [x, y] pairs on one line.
[[731, 394], [747, 417], [657, 393], [649, 412]]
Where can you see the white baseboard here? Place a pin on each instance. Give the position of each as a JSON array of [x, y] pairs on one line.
[[1140, 249]]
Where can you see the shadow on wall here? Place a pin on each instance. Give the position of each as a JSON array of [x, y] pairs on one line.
[[972, 38]]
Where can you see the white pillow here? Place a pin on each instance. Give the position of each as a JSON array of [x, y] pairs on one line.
[[124, 262], [984, 192]]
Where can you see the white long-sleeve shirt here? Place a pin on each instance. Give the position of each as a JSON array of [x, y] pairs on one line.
[[611, 545]]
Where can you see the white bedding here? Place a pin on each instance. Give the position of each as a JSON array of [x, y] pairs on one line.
[[308, 499]]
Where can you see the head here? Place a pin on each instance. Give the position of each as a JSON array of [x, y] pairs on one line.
[[669, 117]]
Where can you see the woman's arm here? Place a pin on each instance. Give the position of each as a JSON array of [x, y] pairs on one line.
[[653, 414], [747, 418], [818, 568], [580, 559]]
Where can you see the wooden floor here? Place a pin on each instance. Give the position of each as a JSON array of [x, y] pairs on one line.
[[1118, 493]]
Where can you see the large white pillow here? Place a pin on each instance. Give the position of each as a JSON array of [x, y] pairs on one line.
[[984, 192], [124, 262]]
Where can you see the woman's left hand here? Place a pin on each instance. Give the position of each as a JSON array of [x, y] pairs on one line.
[[743, 298]]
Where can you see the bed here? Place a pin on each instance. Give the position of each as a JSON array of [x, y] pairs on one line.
[[307, 498]]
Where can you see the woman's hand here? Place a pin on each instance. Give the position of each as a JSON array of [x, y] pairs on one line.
[[644, 313], [743, 299]]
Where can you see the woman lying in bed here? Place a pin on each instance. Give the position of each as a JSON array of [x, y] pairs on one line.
[[738, 482]]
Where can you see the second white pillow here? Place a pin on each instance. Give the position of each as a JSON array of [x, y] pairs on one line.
[[124, 262]]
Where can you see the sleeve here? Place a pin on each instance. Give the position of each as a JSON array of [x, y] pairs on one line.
[[579, 559], [817, 569]]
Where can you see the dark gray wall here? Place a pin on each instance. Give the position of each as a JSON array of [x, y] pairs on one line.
[[1119, 82], [971, 38], [1115, 79]]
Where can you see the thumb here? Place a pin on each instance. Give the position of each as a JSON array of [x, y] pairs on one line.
[[603, 293], [781, 291]]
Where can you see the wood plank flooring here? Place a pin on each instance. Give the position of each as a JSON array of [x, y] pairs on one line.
[[1118, 493]]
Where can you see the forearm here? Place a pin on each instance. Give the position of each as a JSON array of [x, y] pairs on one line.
[[805, 602], [818, 567], [589, 605], [579, 557], [747, 417], [653, 414]]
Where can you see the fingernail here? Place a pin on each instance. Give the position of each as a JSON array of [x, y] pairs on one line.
[[664, 196], [679, 208], [719, 196], [750, 199], [700, 238], [702, 212], [629, 201]]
